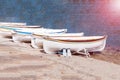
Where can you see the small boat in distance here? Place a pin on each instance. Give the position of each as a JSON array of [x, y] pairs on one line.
[[61, 34], [12, 24], [6, 31], [23, 34], [78, 44], [23, 26]]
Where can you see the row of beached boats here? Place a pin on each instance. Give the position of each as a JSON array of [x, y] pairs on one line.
[[53, 40]]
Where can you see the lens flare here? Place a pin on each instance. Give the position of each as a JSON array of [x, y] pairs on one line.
[[115, 4]]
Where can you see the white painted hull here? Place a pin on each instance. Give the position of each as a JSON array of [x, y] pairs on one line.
[[19, 37], [52, 46], [40, 31], [16, 37], [49, 31], [23, 26], [62, 34], [37, 41], [5, 33], [11, 24]]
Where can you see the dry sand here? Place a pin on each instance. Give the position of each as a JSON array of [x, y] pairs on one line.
[[18, 61]]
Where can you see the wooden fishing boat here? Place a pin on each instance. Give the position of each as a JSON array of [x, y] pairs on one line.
[[78, 44], [12, 24], [6, 31], [23, 26], [40, 30], [49, 31], [16, 36], [37, 39]]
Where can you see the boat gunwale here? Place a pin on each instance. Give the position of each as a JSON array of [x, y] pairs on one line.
[[59, 40], [59, 35]]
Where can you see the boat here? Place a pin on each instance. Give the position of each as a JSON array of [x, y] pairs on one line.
[[17, 35], [37, 39], [49, 31], [12, 24], [22, 26], [85, 44], [6, 31], [7, 27], [25, 27]]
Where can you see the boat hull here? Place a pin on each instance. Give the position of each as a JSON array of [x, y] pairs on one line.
[[51, 46], [24, 34], [37, 41], [5, 33], [17, 37], [12, 24]]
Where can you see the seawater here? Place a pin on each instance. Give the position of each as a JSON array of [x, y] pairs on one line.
[[93, 17]]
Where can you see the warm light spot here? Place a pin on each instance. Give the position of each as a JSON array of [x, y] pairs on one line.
[[115, 4]]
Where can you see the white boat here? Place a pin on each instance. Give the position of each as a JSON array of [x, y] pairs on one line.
[[23, 26], [37, 39], [12, 24], [7, 27], [6, 31], [20, 27], [40, 30], [49, 31], [18, 37], [78, 44]]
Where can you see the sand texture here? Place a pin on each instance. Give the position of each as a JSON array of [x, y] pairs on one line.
[[19, 61]]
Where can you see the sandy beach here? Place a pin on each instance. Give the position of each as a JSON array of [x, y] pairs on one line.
[[19, 61]]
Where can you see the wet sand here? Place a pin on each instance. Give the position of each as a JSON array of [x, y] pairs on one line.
[[19, 61]]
